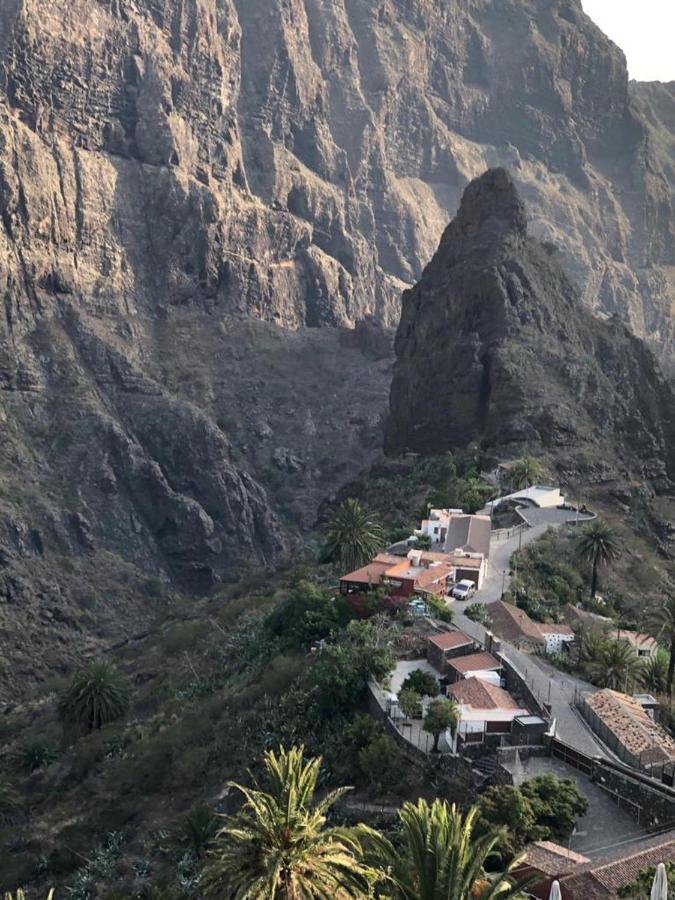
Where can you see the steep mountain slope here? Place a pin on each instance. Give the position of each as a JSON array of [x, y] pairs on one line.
[[496, 347], [169, 168]]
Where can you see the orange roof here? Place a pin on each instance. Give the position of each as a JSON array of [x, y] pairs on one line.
[[432, 575], [481, 695], [475, 662], [449, 640], [373, 572]]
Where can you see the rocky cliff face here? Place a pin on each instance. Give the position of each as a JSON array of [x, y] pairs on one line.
[[297, 161], [171, 170], [496, 347]]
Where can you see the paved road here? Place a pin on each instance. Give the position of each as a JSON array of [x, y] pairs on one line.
[[498, 578], [549, 684]]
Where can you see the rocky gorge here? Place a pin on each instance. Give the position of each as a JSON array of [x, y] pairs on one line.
[[209, 210]]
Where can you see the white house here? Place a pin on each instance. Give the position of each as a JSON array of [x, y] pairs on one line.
[[436, 526], [556, 636]]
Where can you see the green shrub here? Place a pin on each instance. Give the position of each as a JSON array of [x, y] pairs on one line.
[[423, 683], [439, 609], [184, 637], [307, 614], [36, 755]]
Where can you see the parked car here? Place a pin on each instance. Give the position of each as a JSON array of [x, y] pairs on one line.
[[463, 589]]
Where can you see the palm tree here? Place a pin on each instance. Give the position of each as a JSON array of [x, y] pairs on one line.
[[592, 647], [278, 846], [439, 857], [618, 666], [353, 537], [598, 545], [97, 694], [663, 624], [654, 675], [525, 472]]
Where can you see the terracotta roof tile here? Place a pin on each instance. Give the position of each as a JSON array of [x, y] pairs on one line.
[[512, 623], [449, 640], [552, 859], [603, 878], [632, 726], [474, 662], [481, 695]]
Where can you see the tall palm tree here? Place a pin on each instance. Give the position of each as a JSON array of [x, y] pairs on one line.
[[353, 536], [278, 846], [440, 859], [525, 472], [618, 666], [597, 545], [97, 694], [663, 624]]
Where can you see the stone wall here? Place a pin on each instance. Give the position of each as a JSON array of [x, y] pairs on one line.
[[651, 805]]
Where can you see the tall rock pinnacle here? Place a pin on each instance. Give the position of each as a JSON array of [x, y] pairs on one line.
[[496, 347]]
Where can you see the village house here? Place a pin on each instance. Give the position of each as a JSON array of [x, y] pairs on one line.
[[644, 644], [436, 526], [485, 709], [627, 728], [481, 665], [598, 879], [446, 646], [556, 636], [464, 538], [581, 620], [547, 862], [514, 625], [418, 573]]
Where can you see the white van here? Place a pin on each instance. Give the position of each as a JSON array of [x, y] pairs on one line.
[[463, 589]]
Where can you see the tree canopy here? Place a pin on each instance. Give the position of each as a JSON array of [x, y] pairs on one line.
[[353, 536]]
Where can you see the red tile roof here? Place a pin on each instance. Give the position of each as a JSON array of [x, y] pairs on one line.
[[373, 572], [449, 640], [552, 859], [474, 662], [481, 695], [603, 878]]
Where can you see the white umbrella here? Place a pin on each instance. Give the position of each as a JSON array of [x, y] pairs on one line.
[[660, 885], [555, 892]]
